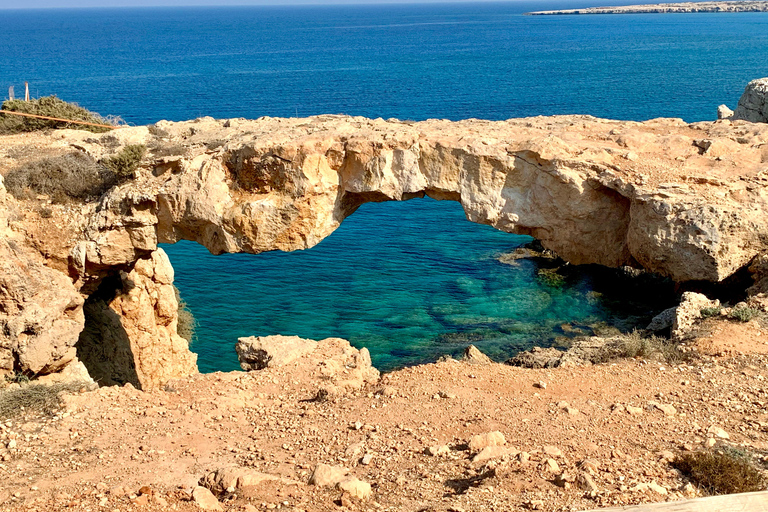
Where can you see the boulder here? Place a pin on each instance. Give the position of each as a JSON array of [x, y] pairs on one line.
[[257, 353], [753, 104], [723, 112], [472, 355], [325, 475], [689, 312]]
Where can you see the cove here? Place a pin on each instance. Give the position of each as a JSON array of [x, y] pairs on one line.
[[411, 281]]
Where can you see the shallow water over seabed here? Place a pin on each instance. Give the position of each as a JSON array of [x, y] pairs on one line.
[[390, 280]]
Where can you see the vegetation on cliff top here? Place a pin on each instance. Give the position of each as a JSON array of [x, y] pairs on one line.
[[74, 176], [722, 472], [50, 106]]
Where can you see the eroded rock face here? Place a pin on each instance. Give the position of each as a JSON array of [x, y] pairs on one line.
[[753, 104], [131, 334], [686, 201]]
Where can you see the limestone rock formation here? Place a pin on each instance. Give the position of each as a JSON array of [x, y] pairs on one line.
[[257, 353], [686, 201], [131, 333], [753, 104]]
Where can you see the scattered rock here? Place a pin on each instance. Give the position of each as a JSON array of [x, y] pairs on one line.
[[585, 482], [494, 452], [480, 441], [718, 432], [652, 486], [325, 475], [437, 450], [355, 487], [552, 466], [205, 499], [667, 409]]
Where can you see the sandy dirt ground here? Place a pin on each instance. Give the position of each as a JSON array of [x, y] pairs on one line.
[[408, 436]]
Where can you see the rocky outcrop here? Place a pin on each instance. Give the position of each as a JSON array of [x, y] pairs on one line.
[[131, 330], [686, 201], [753, 104], [257, 353]]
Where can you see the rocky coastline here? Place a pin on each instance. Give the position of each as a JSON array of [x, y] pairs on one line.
[[87, 297], [678, 7]]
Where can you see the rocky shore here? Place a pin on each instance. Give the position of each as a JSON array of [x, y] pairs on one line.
[[680, 7]]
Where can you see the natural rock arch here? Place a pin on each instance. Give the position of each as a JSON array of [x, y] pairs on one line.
[[595, 191]]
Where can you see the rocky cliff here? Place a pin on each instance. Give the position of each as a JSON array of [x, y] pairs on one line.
[[684, 200]]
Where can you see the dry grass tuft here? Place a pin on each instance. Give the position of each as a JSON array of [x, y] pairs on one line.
[[74, 176], [723, 472], [36, 398]]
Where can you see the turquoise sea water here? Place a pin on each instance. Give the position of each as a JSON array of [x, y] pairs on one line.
[[409, 280]]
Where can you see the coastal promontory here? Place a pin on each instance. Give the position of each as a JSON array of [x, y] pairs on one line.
[[678, 7]]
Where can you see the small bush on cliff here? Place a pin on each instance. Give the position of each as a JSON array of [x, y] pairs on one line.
[[35, 398], [743, 314], [723, 472], [635, 344], [710, 312], [49, 106], [125, 163]]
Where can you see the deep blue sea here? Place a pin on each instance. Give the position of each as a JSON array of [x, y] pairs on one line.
[[412, 280]]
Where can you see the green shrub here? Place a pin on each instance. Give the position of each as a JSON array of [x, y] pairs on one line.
[[125, 163], [49, 106], [35, 398], [743, 314], [725, 472], [63, 178], [710, 312]]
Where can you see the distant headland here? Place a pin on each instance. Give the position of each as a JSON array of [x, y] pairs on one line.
[[683, 7]]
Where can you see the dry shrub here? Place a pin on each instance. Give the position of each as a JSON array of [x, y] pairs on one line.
[[36, 398], [62, 178], [723, 472], [74, 176], [635, 344], [743, 314], [49, 106]]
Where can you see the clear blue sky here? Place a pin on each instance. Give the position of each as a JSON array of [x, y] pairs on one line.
[[37, 4]]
